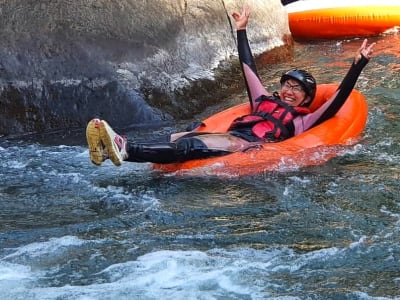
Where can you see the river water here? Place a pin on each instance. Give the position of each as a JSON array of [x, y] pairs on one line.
[[71, 230]]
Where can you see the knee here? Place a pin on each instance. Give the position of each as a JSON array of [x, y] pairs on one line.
[[192, 148], [187, 145]]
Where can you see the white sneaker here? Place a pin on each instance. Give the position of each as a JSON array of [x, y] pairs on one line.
[[97, 151], [115, 144]]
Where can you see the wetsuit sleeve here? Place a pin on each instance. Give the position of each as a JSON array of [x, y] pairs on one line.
[[252, 81], [332, 106]]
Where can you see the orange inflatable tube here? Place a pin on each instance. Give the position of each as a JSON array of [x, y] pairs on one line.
[[302, 150], [340, 19]]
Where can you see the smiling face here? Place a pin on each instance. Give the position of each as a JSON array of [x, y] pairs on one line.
[[293, 93]]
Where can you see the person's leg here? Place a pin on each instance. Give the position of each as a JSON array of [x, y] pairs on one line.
[[102, 138], [181, 150], [188, 147], [225, 142]]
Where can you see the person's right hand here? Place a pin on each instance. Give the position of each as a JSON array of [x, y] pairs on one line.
[[242, 18]]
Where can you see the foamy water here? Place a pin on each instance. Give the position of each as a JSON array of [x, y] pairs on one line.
[[243, 273]]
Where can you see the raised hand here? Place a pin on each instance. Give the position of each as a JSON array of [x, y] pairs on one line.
[[241, 18], [364, 50]]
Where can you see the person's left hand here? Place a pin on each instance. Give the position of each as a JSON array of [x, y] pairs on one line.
[[365, 50]]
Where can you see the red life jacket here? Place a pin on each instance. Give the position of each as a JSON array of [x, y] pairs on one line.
[[270, 119]]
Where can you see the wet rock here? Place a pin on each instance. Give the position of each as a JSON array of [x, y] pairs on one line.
[[64, 62]]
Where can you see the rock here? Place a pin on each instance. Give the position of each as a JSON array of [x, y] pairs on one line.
[[128, 61]]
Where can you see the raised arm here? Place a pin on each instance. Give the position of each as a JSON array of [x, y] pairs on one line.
[[252, 81], [331, 107]]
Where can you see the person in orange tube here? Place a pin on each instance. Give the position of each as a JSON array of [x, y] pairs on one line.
[[274, 116]]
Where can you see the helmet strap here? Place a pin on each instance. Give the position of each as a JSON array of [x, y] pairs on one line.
[[305, 101]]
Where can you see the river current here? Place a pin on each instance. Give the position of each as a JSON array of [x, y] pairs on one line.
[[71, 230]]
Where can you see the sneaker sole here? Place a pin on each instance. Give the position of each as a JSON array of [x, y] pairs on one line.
[[107, 134], [94, 142]]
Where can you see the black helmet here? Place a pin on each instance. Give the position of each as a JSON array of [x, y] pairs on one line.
[[306, 80]]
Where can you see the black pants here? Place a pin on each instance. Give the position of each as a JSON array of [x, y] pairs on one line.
[[183, 149]]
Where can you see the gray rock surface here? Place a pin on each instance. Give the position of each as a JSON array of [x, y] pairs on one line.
[[63, 62]]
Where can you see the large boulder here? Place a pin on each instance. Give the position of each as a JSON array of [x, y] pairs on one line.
[[63, 62]]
